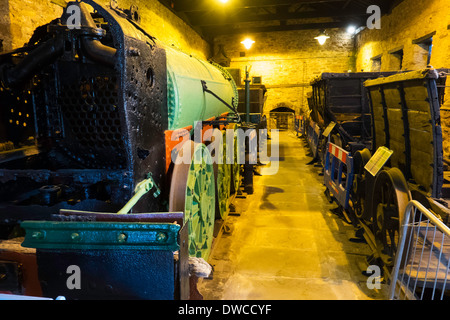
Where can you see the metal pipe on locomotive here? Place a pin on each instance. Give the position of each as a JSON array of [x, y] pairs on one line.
[[92, 115]]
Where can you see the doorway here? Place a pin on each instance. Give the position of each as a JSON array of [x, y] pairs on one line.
[[282, 118]]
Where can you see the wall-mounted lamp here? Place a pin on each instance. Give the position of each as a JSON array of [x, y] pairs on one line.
[[322, 37], [248, 43]]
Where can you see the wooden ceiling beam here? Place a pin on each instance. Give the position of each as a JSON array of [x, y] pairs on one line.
[[205, 5], [214, 20], [287, 27]]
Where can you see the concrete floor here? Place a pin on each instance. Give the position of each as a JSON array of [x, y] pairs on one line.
[[287, 244]]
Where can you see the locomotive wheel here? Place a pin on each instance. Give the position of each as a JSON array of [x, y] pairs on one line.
[[358, 192], [391, 196], [192, 191], [235, 167], [222, 173]]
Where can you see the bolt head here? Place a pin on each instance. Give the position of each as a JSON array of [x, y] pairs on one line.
[[38, 235], [122, 237], [161, 237], [75, 236]]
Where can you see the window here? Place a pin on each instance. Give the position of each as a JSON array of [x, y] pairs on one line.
[[396, 57], [256, 80], [423, 50], [376, 64]]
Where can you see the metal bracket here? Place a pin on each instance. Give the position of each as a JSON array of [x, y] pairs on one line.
[[141, 189]]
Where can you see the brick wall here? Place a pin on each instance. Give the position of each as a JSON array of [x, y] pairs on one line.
[[288, 60]]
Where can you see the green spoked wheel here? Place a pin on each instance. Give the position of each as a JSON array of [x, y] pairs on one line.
[[222, 172], [192, 191]]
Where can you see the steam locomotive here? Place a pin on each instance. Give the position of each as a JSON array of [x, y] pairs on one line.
[[94, 115]]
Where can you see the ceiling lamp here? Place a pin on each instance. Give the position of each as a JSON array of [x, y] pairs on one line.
[[248, 43], [223, 1], [351, 30], [322, 38]]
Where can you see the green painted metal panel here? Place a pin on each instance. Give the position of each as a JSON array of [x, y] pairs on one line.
[[187, 102]]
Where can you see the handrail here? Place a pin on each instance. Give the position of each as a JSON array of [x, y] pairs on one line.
[[410, 212]]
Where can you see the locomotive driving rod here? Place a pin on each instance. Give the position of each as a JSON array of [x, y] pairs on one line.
[[141, 188]]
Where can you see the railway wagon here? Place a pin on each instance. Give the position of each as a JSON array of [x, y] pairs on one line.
[[407, 161], [340, 99], [94, 118]]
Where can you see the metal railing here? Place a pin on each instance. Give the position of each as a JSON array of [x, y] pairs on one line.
[[423, 257]]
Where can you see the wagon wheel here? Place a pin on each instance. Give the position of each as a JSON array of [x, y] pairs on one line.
[[391, 196], [336, 140], [222, 174], [322, 149], [358, 191], [192, 191]]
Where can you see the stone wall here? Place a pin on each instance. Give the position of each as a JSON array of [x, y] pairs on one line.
[[409, 23], [287, 61], [5, 26], [164, 25], [19, 18]]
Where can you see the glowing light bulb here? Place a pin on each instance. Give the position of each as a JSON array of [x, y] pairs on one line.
[[223, 1], [248, 43], [351, 29], [322, 39]]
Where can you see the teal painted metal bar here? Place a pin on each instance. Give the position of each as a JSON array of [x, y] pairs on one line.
[[72, 235]]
